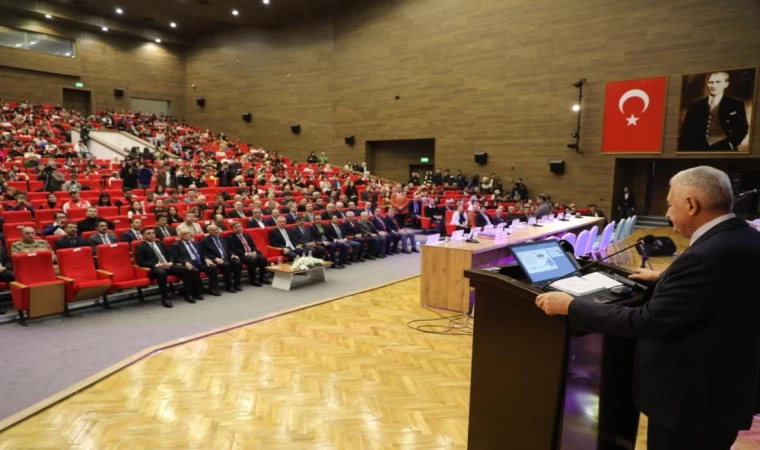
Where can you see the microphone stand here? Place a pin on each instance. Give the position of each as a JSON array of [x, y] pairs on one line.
[[644, 256]]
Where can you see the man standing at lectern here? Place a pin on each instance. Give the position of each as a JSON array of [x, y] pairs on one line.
[[698, 325]]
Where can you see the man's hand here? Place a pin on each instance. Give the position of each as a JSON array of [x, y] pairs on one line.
[[645, 275], [3, 269], [219, 260], [209, 262], [188, 266], [554, 303], [234, 257]]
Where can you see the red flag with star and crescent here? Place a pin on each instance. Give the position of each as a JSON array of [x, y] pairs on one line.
[[634, 115]]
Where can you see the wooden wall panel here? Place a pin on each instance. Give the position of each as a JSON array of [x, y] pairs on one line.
[[492, 75], [391, 159], [103, 62]]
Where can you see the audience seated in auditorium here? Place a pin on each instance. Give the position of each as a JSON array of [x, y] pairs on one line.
[[71, 238]]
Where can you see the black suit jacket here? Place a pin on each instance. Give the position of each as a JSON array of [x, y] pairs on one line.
[[237, 248], [65, 242], [290, 218], [350, 229], [697, 358], [324, 235], [415, 204], [271, 222], [301, 235], [331, 234], [7, 261], [733, 122], [180, 255], [276, 239], [129, 236], [160, 234], [145, 257], [209, 250], [480, 219], [254, 224]]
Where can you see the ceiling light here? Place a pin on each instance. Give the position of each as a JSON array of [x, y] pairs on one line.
[[235, 12], [68, 54], [266, 2], [119, 11], [158, 41], [576, 107], [104, 29], [173, 25], [48, 16]]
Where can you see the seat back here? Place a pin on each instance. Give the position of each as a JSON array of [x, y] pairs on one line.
[[108, 211], [34, 267], [17, 216], [591, 239], [260, 237], [13, 230], [77, 263], [77, 214], [606, 236], [617, 235], [115, 258], [581, 243], [570, 238]]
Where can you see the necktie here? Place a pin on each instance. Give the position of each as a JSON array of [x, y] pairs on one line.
[[287, 239], [165, 232], [138, 235], [219, 246], [337, 231], [245, 244], [104, 238], [381, 225], [159, 255], [193, 252], [395, 223]]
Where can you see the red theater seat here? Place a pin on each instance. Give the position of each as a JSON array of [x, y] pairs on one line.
[[37, 292], [83, 281], [17, 217], [116, 260]]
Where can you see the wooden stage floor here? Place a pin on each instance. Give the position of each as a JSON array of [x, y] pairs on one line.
[[348, 374]]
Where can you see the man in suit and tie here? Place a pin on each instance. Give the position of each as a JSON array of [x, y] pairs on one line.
[[351, 230], [308, 215], [400, 202], [543, 206], [716, 122], [498, 216], [697, 360], [437, 215], [392, 239], [302, 236], [322, 237], [367, 209], [256, 221], [215, 253], [187, 253], [272, 221], [370, 232], [595, 212], [153, 255], [102, 236], [336, 233], [292, 215], [415, 210], [162, 228], [242, 246], [402, 234], [626, 203], [134, 233], [280, 237], [237, 212], [339, 211], [480, 217], [71, 239]]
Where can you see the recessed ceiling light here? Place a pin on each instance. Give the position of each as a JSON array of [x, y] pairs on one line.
[[119, 11], [173, 25], [158, 41], [235, 12], [266, 2], [104, 29], [48, 16]]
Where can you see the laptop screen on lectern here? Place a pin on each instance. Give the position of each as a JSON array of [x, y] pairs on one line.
[[543, 261]]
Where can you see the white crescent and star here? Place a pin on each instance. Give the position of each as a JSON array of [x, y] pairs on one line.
[[633, 120]]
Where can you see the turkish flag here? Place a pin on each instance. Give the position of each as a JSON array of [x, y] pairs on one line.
[[634, 115]]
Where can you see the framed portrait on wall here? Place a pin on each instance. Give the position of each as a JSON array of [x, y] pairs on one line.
[[716, 111]]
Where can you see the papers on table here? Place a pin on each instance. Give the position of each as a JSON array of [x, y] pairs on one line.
[[433, 239], [585, 285]]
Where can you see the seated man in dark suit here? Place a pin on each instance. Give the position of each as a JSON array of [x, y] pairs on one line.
[[335, 232], [370, 232], [242, 246], [498, 216], [292, 215], [391, 239], [134, 233], [257, 221], [6, 269], [480, 217], [272, 221], [301, 236], [332, 245], [153, 255], [402, 234], [163, 230], [437, 215], [281, 237], [215, 252], [594, 212], [352, 231], [186, 252], [103, 235], [71, 239], [415, 210], [697, 363]]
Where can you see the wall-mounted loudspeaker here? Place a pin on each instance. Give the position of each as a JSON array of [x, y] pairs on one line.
[[248, 117], [296, 129], [118, 92], [350, 140], [200, 102], [557, 167], [481, 158]]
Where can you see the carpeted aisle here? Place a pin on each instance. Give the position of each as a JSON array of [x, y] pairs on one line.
[[55, 353]]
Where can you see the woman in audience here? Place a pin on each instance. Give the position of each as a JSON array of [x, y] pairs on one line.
[[219, 210], [135, 208], [173, 215], [104, 199], [50, 203], [351, 191], [161, 191], [312, 159]]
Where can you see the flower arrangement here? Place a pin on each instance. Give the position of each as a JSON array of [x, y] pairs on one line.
[[306, 262]]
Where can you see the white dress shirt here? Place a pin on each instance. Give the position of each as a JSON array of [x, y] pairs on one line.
[[706, 227]]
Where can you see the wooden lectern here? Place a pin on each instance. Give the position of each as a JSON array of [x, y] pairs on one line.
[[536, 383]]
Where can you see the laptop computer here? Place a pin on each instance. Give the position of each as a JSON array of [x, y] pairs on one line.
[[543, 261]]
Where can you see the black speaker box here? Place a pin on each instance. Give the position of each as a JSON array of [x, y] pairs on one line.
[[350, 140], [481, 158], [296, 129], [119, 92], [200, 102], [248, 117], [557, 167]]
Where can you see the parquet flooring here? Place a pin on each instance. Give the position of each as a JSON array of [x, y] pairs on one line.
[[348, 374]]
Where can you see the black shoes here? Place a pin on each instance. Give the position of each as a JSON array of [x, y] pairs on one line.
[[238, 288], [166, 303], [231, 290], [264, 281], [198, 297], [414, 250], [256, 283], [189, 299], [214, 292]]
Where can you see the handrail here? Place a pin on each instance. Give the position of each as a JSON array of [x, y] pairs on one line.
[[150, 146], [113, 148]]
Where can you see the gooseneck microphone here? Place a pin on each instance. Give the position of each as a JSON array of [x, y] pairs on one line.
[[584, 268], [745, 194]]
